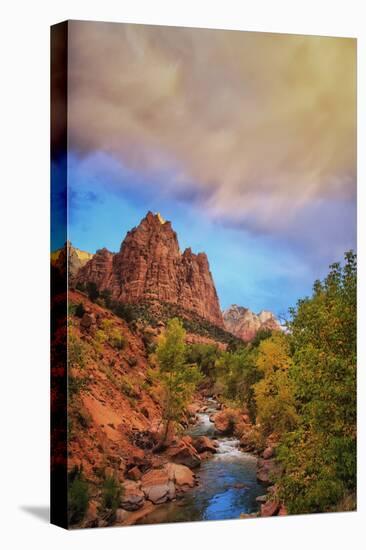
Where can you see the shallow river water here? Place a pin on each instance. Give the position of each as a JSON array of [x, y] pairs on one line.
[[227, 486]]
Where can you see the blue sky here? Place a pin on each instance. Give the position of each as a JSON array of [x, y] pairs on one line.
[[255, 269]]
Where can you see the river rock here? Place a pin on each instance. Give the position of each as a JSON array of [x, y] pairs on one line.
[[121, 515], [269, 508], [282, 510], [184, 453], [157, 486], [204, 444], [226, 420], [132, 496], [181, 475]]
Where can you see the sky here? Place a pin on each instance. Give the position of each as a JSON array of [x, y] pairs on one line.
[[245, 141]]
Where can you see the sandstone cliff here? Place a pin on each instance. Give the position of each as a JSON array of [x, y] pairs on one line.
[[245, 324], [150, 266]]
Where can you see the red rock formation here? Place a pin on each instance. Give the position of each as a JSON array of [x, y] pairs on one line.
[[150, 266], [245, 324]]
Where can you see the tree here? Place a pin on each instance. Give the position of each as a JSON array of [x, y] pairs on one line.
[[177, 377], [92, 290], [274, 393], [319, 457], [205, 356]]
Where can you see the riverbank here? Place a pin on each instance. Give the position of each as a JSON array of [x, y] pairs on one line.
[[226, 480]]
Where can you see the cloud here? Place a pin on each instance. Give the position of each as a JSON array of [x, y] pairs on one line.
[[254, 127]]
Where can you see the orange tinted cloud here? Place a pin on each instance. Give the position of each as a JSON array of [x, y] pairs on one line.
[[262, 124]]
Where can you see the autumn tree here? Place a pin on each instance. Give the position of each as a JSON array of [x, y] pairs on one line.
[[176, 375], [274, 393], [319, 457]]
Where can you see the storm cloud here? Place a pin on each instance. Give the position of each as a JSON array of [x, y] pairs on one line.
[[255, 125]]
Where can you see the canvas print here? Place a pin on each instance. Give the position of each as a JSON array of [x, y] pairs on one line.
[[203, 272]]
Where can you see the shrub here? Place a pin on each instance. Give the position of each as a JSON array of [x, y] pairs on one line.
[[71, 308], [78, 495], [76, 350], [111, 494], [75, 384], [127, 387], [116, 339], [92, 291], [79, 310]]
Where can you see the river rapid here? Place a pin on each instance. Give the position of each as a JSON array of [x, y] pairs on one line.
[[227, 486]]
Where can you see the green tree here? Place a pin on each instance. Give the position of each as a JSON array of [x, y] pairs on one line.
[[319, 457], [177, 377], [235, 376], [205, 356]]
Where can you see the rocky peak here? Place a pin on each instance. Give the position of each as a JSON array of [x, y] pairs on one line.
[[70, 256], [150, 266], [245, 324]]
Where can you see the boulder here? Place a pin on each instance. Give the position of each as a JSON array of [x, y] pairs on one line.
[[132, 496], [267, 470], [92, 512], [204, 444], [121, 515], [282, 510], [157, 486], [269, 508], [134, 473], [184, 453], [268, 453], [182, 476], [87, 320], [225, 421], [261, 499], [192, 409]]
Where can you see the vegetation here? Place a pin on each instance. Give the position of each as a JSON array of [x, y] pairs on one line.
[[298, 386], [78, 495], [111, 494], [319, 455], [274, 393], [79, 310], [301, 387], [177, 377]]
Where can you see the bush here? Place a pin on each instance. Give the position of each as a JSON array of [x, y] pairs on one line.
[[75, 384], [79, 310], [78, 495], [111, 494], [76, 351], [116, 339], [124, 311], [92, 291]]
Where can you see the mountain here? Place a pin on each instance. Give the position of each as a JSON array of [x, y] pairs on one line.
[[245, 324], [76, 258], [150, 267]]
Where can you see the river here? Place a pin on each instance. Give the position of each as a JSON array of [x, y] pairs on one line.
[[228, 483]]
